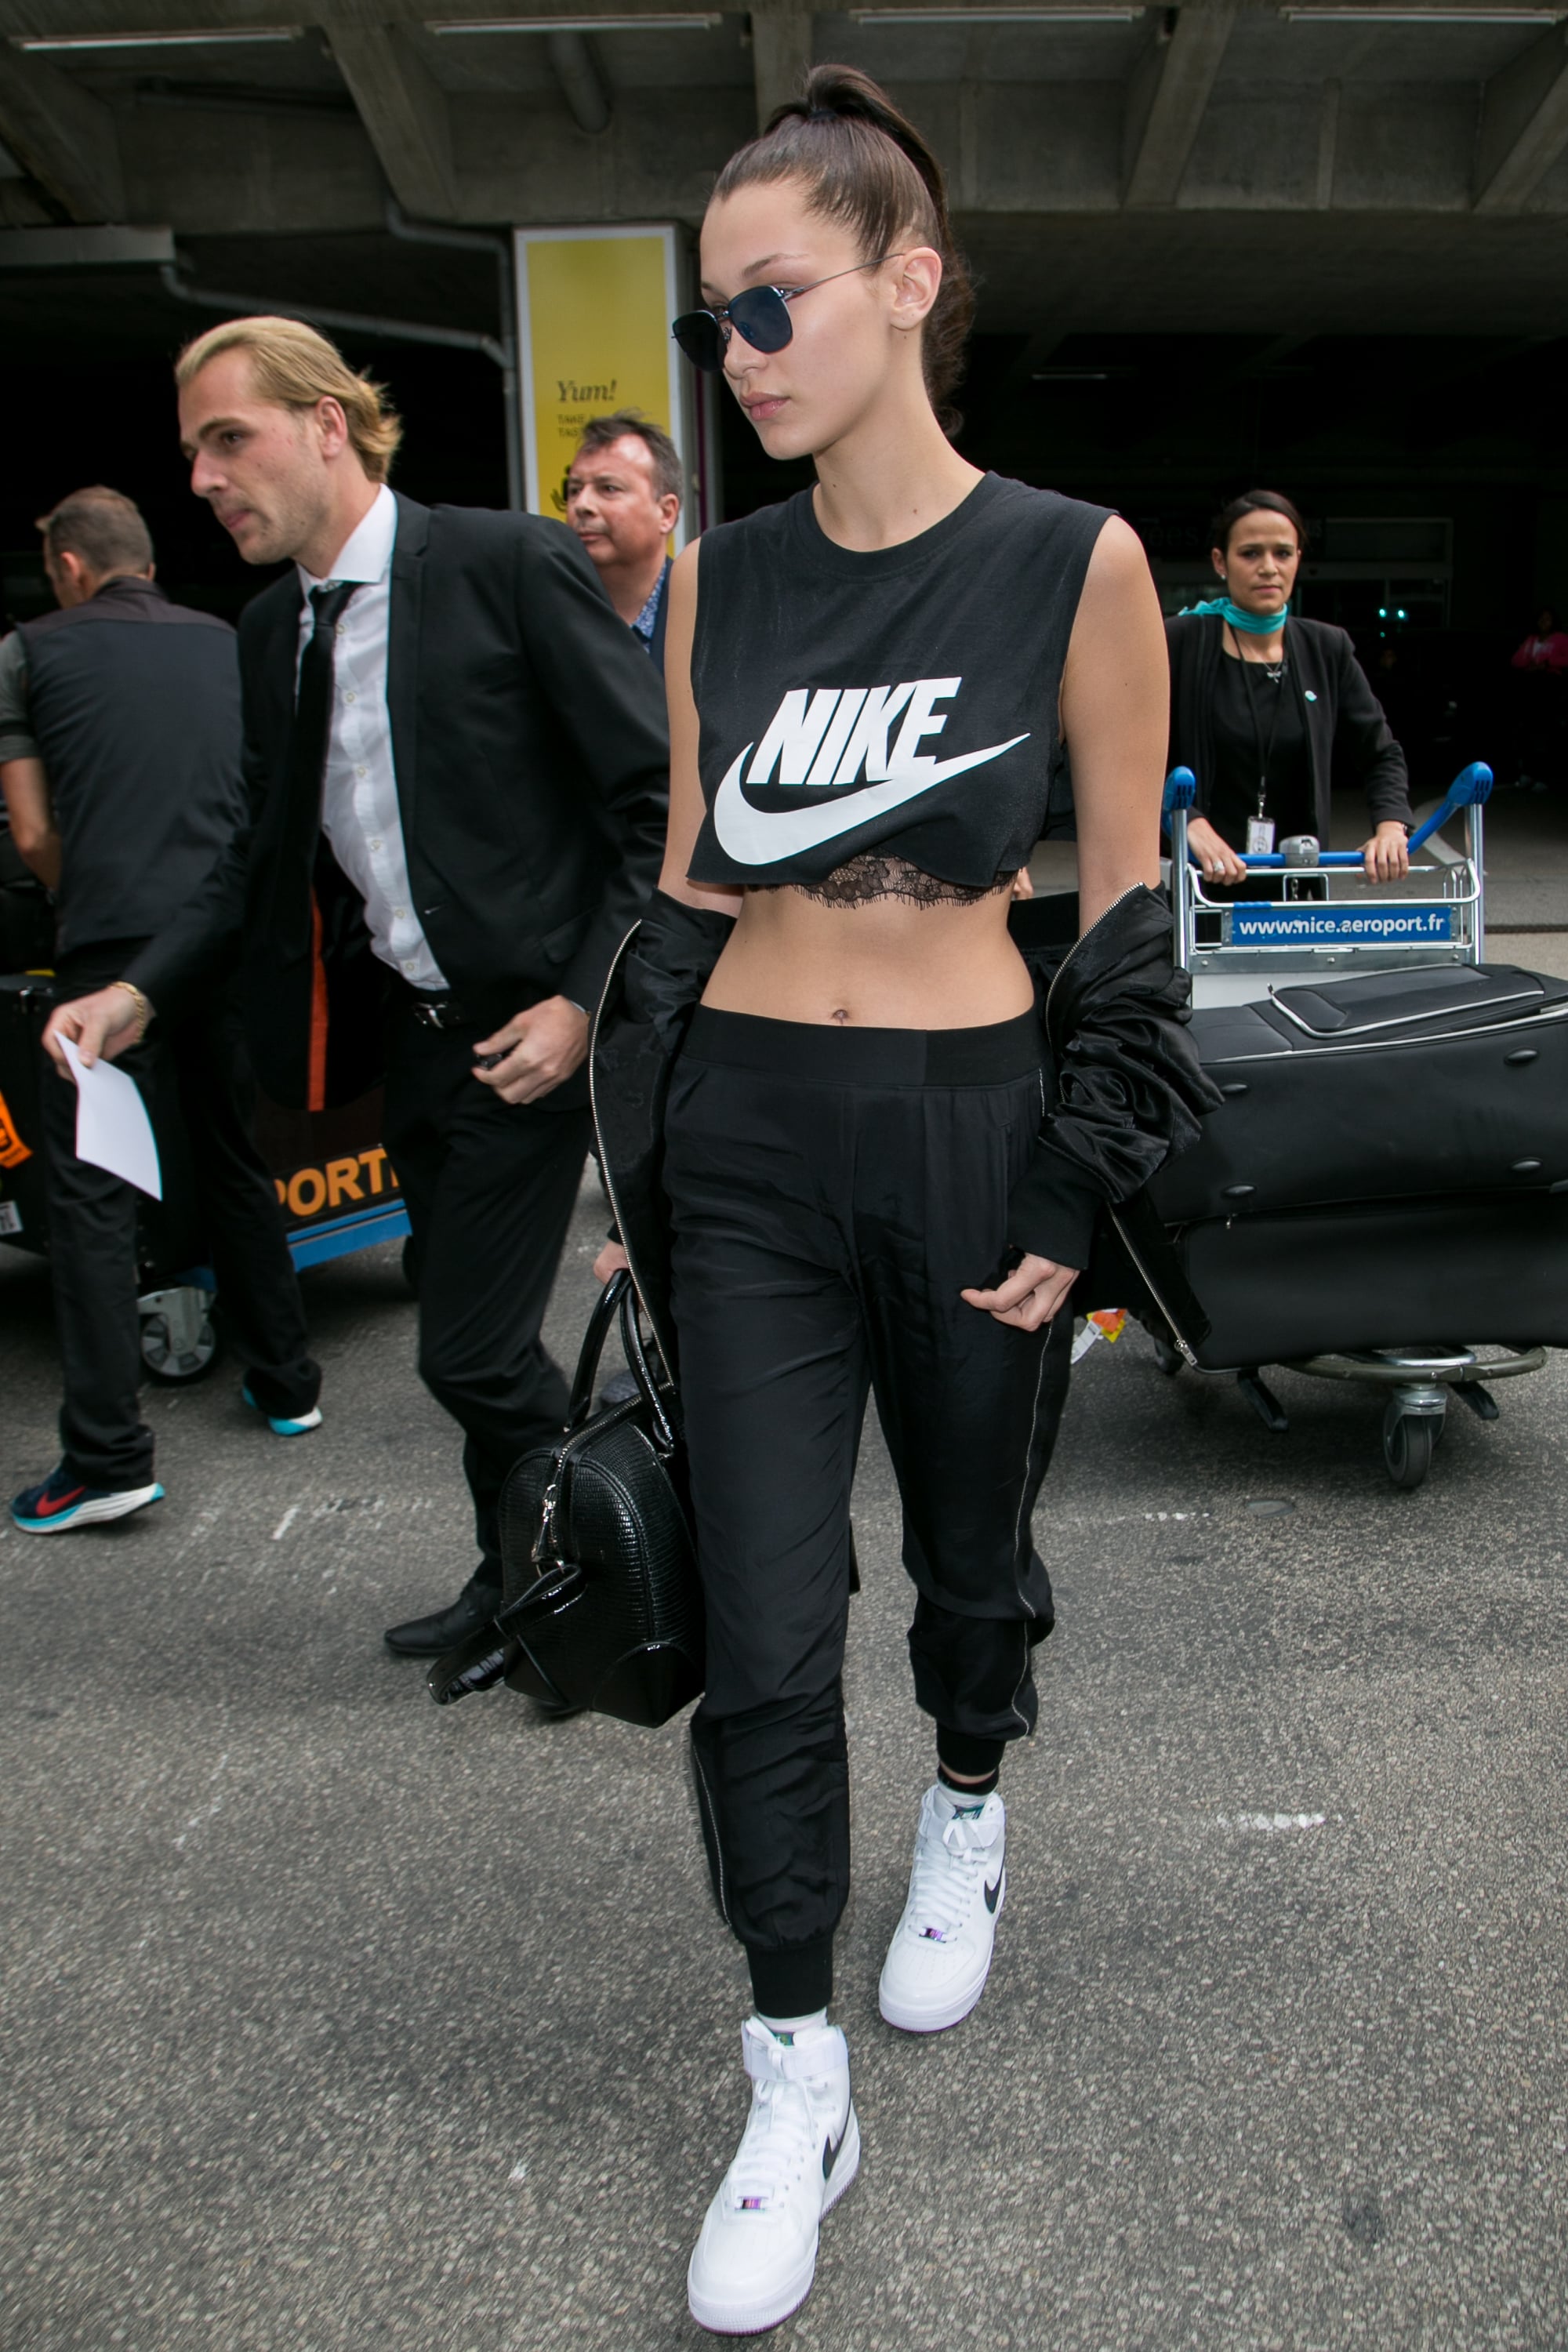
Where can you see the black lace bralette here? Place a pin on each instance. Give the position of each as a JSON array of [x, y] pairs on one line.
[[872, 875]]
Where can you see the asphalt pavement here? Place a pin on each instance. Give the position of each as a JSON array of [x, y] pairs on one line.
[[331, 2020]]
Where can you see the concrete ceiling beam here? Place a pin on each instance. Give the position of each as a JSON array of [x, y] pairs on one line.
[[402, 106], [575, 64], [780, 56], [1167, 98], [66, 140], [1523, 125]]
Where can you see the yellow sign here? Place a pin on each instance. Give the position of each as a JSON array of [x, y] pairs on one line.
[[593, 309]]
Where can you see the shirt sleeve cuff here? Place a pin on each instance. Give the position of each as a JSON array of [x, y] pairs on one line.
[[1053, 1209], [16, 745]]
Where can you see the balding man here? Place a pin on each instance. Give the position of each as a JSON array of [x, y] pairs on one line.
[[120, 738]]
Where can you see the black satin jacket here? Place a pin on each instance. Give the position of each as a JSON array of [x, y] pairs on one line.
[[1126, 1088]]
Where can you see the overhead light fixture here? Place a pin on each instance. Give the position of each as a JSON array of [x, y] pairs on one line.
[[207, 38], [1374, 15], [1064, 16], [578, 24]]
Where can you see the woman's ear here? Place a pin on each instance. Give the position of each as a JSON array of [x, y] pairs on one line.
[[1217, 559], [916, 285]]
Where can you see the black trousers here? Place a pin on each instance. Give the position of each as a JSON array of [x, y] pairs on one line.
[[490, 1188], [196, 1073], [832, 1193]]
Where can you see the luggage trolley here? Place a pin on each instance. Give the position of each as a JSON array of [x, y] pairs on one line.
[[1303, 928]]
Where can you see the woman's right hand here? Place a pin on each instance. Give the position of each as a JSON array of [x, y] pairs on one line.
[[1217, 858], [611, 1259]]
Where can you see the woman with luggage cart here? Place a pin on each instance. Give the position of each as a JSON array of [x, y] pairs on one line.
[[1263, 703], [863, 1191]]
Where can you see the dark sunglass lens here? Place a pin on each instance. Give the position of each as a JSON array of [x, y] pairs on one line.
[[697, 332], [762, 317]]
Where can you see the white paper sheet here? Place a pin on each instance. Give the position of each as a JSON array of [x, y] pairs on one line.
[[112, 1128]]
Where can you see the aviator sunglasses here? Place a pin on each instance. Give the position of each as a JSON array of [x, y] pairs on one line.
[[759, 316]]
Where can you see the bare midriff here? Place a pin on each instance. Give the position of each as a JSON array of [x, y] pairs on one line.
[[886, 963]]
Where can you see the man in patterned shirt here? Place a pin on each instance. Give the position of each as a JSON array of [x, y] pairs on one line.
[[623, 497]]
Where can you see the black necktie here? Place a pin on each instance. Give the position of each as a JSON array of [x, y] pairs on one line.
[[307, 766]]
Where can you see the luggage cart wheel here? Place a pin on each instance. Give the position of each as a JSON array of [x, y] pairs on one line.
[[1264, 1404], [1482, 1401], [1408, 1439], [1169, 1359], [178, 1339]]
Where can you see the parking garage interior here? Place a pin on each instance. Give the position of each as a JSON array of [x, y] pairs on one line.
[[1319, 247]]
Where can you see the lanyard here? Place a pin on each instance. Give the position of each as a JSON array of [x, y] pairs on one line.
[[1265, 751]]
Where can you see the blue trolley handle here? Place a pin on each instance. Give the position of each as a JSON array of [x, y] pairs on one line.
[[1470, 789]]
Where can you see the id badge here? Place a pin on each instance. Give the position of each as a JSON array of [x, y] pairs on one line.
[[1260, 836]]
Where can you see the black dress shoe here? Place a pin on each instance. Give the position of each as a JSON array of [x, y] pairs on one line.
[[443, 1629]]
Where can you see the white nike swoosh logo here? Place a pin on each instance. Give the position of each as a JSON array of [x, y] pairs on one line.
[[754, 837]]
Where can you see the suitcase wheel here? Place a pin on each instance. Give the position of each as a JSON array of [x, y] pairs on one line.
[[1408, 1439], [178, 1341]]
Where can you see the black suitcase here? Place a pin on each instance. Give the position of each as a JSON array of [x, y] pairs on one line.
[[1388, 1167]]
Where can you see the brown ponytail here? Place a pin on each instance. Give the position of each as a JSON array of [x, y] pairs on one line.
[[865, 165]]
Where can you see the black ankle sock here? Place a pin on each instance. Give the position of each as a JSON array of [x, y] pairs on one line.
[[978, 1789]]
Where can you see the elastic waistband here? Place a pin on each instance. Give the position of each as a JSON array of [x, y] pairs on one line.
[[993, 1056]]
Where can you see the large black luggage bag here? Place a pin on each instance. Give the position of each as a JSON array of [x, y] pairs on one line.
[[1388, 1167]]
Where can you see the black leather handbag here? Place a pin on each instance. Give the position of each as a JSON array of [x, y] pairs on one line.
[[601, 1608]]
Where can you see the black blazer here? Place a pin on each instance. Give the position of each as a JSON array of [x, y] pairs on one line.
[[1339, 709], [532, 766]]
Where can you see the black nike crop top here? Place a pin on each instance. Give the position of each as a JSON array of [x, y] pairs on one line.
[[884, 723]]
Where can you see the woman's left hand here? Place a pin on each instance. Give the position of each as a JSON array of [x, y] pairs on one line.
[[1031, 1295], [1387, 856]]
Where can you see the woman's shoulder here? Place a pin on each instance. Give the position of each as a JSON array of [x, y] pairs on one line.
[[765, 528], [1050, 514], [1327, 636]]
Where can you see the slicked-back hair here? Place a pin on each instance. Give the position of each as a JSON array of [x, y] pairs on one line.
[[292, 364], [668, 481], [1256, 502], [101, 528], [864, 164]]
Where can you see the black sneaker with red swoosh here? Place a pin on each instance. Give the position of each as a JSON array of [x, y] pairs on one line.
[[63, 1501]]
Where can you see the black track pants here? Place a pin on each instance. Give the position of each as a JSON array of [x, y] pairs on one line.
[[833, 1190]]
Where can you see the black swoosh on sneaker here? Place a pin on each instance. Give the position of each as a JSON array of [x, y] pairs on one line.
[[994, 1894], [831, 2148]]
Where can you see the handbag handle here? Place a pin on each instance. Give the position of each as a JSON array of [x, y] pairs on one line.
[[617, 1298], [605, 1309], [664, 1434]]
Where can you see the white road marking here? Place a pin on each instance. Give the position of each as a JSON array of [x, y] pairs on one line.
[[1271, 1823], [286, 1522]]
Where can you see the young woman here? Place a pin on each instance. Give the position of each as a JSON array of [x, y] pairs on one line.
[[1261, 703], [876, 1174]]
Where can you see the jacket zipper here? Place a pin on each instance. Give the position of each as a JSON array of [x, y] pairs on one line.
[[1055, 976]]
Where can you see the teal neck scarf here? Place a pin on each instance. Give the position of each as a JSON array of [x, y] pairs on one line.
[[1251, 625]]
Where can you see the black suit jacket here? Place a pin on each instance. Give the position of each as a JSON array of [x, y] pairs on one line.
[[532, 757], [1341, 713]]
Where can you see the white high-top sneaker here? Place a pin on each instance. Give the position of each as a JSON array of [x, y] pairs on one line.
[[756, 2256], [939, 1956]]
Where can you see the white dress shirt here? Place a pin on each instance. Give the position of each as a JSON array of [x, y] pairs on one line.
[[359, 802]]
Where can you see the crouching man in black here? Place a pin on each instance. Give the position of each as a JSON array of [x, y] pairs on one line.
[[458, 769]]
